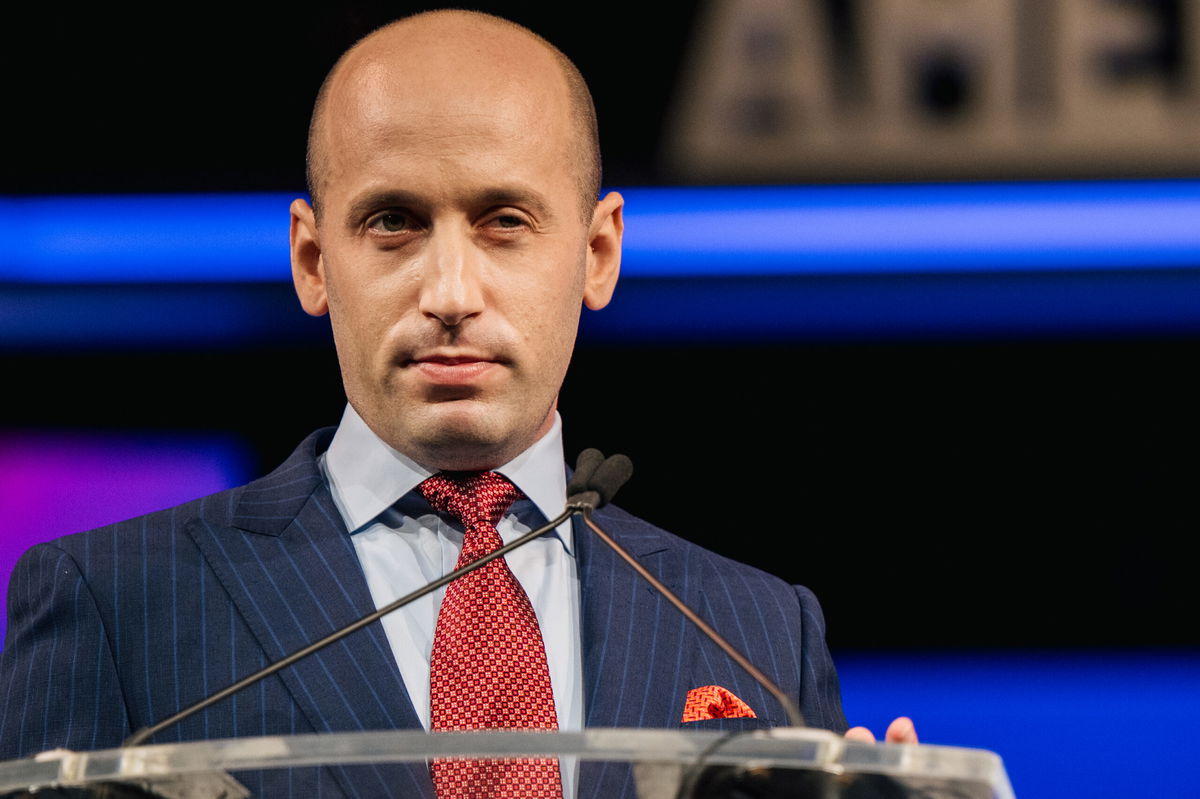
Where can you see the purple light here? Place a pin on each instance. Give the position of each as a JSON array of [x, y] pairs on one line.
[[53, 483]]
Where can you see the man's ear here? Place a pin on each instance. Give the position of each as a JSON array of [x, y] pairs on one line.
[[308, 268], [604, 251]]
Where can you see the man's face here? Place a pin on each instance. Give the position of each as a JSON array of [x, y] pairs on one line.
[[453, 258]]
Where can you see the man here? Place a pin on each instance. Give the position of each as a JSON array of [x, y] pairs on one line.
[[453, 235]]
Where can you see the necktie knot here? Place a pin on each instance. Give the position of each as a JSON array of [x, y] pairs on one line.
[[477, 499]]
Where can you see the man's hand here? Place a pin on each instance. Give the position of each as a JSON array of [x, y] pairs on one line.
[[900, 731]]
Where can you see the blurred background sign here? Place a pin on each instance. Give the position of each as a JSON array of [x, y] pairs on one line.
[[785, 90]]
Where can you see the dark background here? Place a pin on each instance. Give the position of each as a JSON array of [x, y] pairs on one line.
[[934, 493]]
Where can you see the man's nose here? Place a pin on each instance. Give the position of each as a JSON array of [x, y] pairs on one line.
[[451, 287]]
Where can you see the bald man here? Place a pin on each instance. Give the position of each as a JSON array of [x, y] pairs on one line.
[[453, 237]]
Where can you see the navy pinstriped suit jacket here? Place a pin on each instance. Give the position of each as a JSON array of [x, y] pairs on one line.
[[119, 627]]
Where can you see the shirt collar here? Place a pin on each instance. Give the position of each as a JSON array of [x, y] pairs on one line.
[[367, 476]]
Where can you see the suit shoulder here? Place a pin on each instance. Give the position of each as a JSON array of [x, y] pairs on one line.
[[630, 528]]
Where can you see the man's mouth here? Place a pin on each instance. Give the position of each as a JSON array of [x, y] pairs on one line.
[[449, 370]]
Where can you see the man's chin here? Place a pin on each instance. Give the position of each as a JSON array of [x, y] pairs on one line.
[[462, 455], [461, 440]]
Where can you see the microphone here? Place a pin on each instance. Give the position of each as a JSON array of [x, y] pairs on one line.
[[585, 467], [597, 479]]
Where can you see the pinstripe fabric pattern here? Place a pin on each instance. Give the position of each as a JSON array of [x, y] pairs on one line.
[[119, 627]]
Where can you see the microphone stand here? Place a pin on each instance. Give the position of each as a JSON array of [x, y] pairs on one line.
[[795, 717], [593, 484]]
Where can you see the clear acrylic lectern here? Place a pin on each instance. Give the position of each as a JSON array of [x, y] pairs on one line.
[[785, 762]]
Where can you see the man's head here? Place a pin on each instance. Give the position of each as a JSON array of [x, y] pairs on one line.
[[450, 155]]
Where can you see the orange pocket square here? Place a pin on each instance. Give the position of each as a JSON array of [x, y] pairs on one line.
[[714, 702]]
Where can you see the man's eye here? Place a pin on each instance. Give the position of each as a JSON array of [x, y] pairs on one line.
[[509, 221], [391, 223]]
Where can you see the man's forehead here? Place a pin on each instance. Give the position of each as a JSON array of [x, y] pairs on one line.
[[402, 136], [398, 93], [381, 101]]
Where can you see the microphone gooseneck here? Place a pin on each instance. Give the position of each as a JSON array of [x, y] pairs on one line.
[[607, 477]]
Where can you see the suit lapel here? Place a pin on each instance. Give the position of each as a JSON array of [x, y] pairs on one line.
[[292, 573], [637, 647]]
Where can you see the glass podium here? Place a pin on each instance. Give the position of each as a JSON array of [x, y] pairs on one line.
[[666, 764]]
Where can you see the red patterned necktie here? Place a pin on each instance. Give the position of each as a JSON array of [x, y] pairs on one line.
[[488, 669]]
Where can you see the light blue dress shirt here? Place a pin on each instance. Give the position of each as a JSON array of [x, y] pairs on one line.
[[403, 544]]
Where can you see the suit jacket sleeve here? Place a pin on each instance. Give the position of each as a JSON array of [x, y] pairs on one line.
[[820, 695], [58, 681]]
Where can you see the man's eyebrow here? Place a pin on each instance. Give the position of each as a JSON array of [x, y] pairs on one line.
[[516, 196], [375, 200]]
